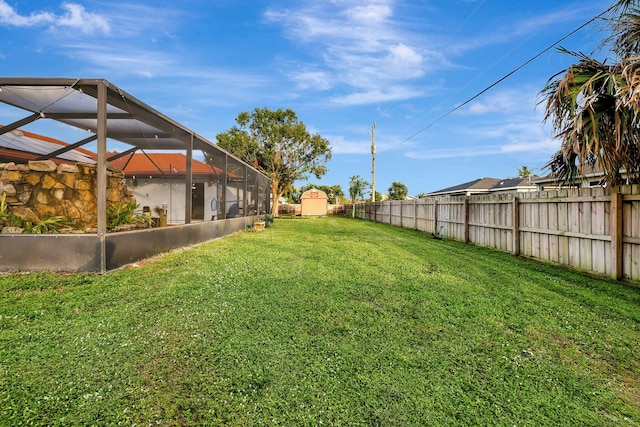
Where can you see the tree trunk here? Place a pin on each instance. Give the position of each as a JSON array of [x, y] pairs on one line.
[[276, 197]]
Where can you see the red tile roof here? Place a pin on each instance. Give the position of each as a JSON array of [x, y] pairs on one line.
[[20, 147], [161, 164]]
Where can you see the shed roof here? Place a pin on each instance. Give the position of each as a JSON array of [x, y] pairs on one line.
[[314, 193]]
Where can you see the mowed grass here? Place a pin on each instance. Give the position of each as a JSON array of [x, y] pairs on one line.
[[327, 321]]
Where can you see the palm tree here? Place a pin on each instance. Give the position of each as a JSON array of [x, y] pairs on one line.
[[357, 186], [594, 108]]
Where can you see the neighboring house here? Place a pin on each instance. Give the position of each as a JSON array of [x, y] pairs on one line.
[[158, 179], [488, 186], [593, 177], [20, 146], [519, 185], [477, 186]]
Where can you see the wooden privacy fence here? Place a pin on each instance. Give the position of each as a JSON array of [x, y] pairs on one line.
[[589, 229]]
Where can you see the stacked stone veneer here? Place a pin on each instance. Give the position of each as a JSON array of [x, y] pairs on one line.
[[41, 189]]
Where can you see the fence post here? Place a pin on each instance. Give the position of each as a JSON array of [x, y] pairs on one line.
[[375, 211], [435, 217], [401, 208], [415, 214], [616, 235], [516, 224], [466, 219]]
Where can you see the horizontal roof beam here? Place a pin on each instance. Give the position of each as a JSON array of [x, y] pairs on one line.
[[15, 125], [132, 136], [69, 148], [84, 116]]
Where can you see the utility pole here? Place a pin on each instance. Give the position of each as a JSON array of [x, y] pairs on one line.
[[373, 163]]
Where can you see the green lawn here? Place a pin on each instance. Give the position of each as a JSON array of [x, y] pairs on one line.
[[327, 321]]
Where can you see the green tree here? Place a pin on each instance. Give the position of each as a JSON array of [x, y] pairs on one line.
[[398, 191], [293, 194], [594, 107], [524, 172], [336, 193], [279, 145], [357, 186]]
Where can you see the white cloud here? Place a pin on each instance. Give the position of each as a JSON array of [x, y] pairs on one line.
[[454, 152], [373, 13], [126, 60], [547, 147], [75, 17], [319, 80], [118, 60], [501, 123], [404, 61], [527, 138], [358, 46], [8, 16], [377, 95], [87, 22], [521, 100], [340, 145]]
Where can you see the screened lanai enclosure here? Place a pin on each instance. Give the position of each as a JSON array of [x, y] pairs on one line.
[[198, 191]]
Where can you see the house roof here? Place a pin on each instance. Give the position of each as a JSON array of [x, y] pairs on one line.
[[485, 185], [19, 145], [513, 183], [589, 172], [479, 185], [161, 164]]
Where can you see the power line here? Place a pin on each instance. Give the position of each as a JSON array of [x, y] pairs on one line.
[[448, 113]]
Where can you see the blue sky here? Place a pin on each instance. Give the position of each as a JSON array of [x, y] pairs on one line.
[[341, 65]]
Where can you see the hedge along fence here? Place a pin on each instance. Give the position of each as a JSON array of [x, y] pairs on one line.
[[590, 229]]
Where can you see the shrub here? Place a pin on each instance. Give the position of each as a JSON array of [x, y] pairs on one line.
[[47, 225]]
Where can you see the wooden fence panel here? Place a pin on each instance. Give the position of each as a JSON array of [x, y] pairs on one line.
[[586, 254], [563, 226], [598, 247], [631, 234], [490, 222], [571, 227], [552, 224], [425, 215], [526, 224], [394, 213]]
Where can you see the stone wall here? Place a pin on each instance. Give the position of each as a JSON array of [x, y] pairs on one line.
[[41, 189]]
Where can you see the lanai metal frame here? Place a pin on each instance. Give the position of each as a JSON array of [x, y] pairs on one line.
[[107, 113]]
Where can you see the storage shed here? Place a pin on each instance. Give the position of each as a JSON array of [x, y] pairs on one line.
[[314, 202]]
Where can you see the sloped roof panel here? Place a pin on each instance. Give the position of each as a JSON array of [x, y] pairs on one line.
[[74, 102], [20, 141]]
